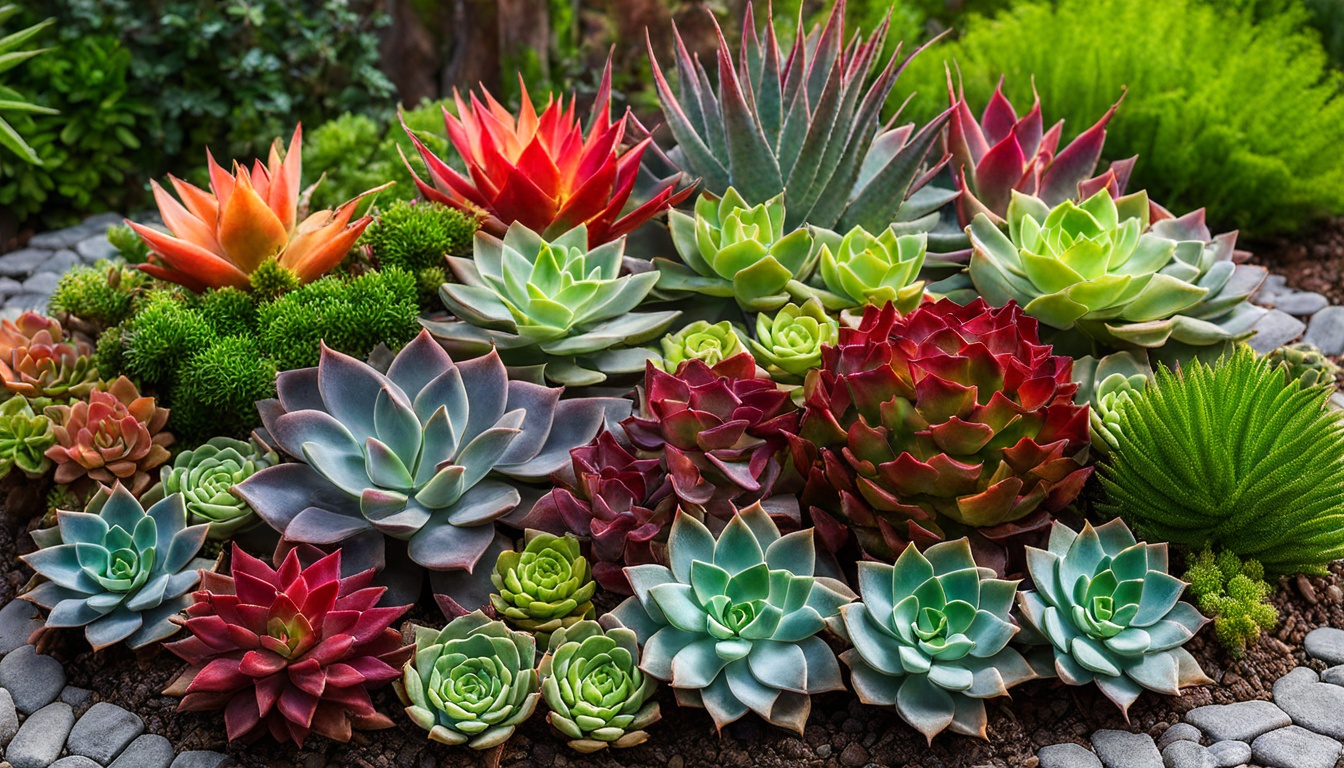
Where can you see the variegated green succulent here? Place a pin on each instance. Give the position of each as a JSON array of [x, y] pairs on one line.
[[1305, 363], [24, 438], [788, 344], [555, 303], [1111, 612], [205, 476], [545, 587], [931, 638], [592, 683], [118, 570], [860, 268], [1108, 385], [733, 623], [470, 683], [701, 340], [732, 249]]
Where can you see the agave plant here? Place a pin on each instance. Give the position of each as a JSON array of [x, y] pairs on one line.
[[859, 269], [931, 638], [38, 361], [555, 302], [1096, 273], [290, 651], [114, 436], [24, 438], [807, 126], [596, 692], [470, 683], [205, 476], [789, 344], [542, 171], [701, 340], [732, 625], [1112, 613], [1275, 499], [1002, 154], [732, 249], [218, 238], [943, 420], [1106, 386], [14, 50], [430, 454], [1305, 363], [118, 570], [544, 588]]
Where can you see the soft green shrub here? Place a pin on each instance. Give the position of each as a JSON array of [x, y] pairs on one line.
[[1242, 118], [167, 330], [416, 237], [1235, 594], [131, 246], [217, 389], [230, 312], [103, 294]]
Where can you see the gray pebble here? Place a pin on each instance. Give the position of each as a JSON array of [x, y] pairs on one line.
[[1313, 705], [1122, 749], [18, 621], [1179, 732], [42, 282], [68, 237], [95, 249], [1229, 754], [199, 759], [1333, 675], [75, 761], [1238, 722], [148, 751], [22, 262], [1300, 303], [59, 263], [78, 698], [34, 681], [9, 285], [1326, 330], [41, 737], [1187, 754], [1067, 756], [1293, 747], [9, 718], [104, 731], [24, 302], [1275, 329], [1326, 643]]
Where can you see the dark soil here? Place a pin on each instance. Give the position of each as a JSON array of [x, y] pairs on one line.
[[1313, 261]]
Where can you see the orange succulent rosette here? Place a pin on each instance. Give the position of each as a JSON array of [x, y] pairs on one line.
[[116, 434]]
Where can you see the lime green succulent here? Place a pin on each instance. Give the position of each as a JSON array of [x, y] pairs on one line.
[[1108, 385], [735, 250], [597, 694], [860, 268], [1305, 363], [1234, 592], [789, 344], [24, 438], [701, 340], [205, 476], [547, 586]]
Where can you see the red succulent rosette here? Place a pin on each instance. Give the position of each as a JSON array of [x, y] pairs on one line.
[[289, 651], [950, 417]]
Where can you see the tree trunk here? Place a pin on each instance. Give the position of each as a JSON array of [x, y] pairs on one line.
[[474, 56], [525, 39]]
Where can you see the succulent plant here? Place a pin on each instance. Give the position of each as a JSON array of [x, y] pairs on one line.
[[429, 454], [721, 432], [1102, 279], [544, 588], [290, 651], [115, 435], [859, 268], [1002, 154], [554, 302], [1111, 613], [543, 172], [1107, 386], [1275, 498], [24, 438], [931, 638], [596, 692], [1235, 595], [946, 420], [205, 477], [118, 570], [219, 238], [732, 625], [470, 683], [789, 344], [1305, 363], [40, 363], [701, 340], [806, 125]]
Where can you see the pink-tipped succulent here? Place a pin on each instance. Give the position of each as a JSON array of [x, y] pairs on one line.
[[38, 361], [115, 435], [289, 651]]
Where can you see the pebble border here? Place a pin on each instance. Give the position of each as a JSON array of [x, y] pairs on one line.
[[29, 275]]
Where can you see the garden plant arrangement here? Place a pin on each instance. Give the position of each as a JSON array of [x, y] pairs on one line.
[[787, 424]]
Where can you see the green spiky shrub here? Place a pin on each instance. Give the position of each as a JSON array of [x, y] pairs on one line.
[[1239, 117], [104, 294], [1234, 592], [1234, 456], [131, 246], [416, 237]]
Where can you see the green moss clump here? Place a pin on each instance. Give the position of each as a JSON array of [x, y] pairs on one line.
[[416, 237], [130, 245], [109, 356], [217, 389], [230, 312], [1235, 594], [103, 294], [167, 330], [270, 280]]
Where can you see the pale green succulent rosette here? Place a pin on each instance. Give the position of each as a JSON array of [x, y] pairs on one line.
[[1099, 275], [1305, 363], [1107, 386], [546, 587], [205, 477], [1111, 613], [859, 268], [555, 303], [25, 436], [470, 683], [733, 250], [597, 694], [931, 638], [711, 343], [788, 344], [732, 625]]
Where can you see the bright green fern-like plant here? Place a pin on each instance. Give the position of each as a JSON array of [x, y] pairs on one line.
[[1234, 592], [1232, 455]]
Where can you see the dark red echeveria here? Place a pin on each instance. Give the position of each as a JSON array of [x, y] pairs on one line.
[[948, 420], [291, 651]]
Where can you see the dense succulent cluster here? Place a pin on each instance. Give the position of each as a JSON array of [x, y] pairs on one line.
[[597, 695], [25, 436], [290, 651], [37, 360], [544, 588], [116, 435], [1305, 363], [1235, 595], [97, 297], [205, 477]]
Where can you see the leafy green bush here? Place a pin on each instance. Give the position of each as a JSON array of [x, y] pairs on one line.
[[1235, 594], [1242, 118], [14, 50]]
